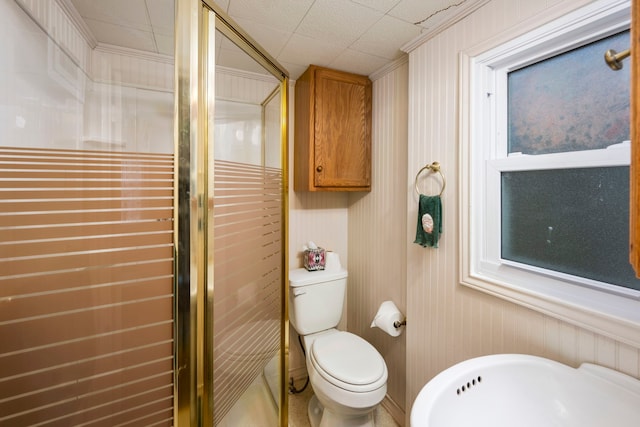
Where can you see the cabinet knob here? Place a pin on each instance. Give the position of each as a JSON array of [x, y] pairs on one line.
[[319, 169]]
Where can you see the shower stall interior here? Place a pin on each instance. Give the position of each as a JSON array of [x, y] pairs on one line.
[[142, 224]]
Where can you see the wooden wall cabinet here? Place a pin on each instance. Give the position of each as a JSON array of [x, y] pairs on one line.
[[332, 147]]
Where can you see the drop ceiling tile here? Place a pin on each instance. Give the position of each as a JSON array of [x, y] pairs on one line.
[[124, 13], [165, 44], [337, 21], [228, 54], [122, 36], [239, 60], [283, 14], [357, 62], [271, 39], [385, 37], [223, 44], [295, 70], [161, 14], [305, 51], [224, 4], [428, 14], [354, 35], [381, 5]]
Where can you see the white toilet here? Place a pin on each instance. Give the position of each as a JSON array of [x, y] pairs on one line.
[[348, 375]]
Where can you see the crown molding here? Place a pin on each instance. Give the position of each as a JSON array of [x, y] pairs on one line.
[[74, 16], [134, 53], [268, 78], [386, 69]]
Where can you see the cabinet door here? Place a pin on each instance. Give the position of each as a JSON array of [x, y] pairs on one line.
[[342, 146]]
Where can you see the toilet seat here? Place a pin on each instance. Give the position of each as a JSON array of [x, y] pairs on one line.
[[349, 362]]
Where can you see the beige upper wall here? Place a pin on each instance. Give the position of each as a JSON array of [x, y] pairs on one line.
[[377, 226], [448, 322]]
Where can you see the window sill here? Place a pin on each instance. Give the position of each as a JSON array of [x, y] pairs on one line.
[[582, 306]]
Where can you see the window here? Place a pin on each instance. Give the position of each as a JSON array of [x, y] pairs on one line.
[[546, 225], [569, 220]]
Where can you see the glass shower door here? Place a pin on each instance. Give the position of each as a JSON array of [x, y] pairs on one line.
[[232, 128], [248, 240]]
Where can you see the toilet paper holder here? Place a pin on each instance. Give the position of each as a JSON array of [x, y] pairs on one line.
[[398, 324], [389, 319]]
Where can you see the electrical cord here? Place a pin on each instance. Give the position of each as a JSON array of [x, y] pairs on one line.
[[292, 387]]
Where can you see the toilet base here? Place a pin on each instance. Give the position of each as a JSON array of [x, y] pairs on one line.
[[315, 411], [320, 417]]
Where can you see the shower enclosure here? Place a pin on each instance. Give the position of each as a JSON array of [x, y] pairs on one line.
[[142, 225], [86, 232]]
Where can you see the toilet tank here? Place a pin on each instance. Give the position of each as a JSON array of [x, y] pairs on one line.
[[316, 299]]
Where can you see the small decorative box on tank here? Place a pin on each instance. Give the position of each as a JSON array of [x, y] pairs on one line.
[[314, 259]]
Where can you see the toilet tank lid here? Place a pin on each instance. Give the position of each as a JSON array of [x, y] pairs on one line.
[[303, 277]]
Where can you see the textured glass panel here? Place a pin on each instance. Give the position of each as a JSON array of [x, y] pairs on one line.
[[248, 277], [86, 285], [573, 221], [247, 231], [570, 102], [239, 125], [86, 229]]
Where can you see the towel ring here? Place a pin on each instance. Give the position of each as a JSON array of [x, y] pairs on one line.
[[433, 167]]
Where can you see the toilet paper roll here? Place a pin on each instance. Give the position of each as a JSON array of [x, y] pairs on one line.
[[332, 261], [385, 318]]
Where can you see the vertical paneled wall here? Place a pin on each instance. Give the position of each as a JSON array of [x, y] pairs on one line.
[[448, 322], [377, 227], [57, 23], [243, 86]]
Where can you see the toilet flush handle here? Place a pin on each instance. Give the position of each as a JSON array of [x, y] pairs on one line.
[[298, 292]]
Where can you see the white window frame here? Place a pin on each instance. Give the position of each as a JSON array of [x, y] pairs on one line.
[[605, 309]]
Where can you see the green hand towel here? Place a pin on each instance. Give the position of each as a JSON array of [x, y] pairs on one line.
[[432, 206]]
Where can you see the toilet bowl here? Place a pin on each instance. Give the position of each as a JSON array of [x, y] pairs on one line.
[[347, 374]]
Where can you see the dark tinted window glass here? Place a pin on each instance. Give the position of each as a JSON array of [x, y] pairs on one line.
[[574, 221]]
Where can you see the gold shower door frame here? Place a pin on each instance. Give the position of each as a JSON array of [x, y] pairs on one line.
[[196, 22]]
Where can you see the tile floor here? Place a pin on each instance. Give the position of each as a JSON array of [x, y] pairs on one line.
[[298, 411], [257, 408]]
